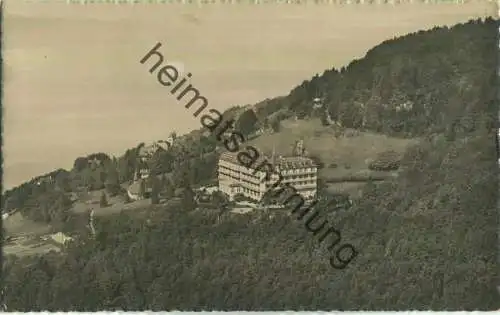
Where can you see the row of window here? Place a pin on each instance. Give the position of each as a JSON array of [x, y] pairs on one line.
[[237, 180], [299, 183], [306, 171], [242, 174], [238, 170], [257, 179], [247, 179], [251, 192], [248, 191], [298, 171], [309, 177], [256, 182]]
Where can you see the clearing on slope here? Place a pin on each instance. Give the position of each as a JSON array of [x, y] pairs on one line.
[[345, 153]]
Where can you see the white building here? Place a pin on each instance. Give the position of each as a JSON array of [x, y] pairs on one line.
[[235, 178], [143, 173], [298, 171]]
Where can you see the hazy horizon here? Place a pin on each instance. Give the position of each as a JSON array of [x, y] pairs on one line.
[[74, 85]]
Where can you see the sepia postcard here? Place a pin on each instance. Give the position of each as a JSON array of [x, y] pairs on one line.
[[249, 155]]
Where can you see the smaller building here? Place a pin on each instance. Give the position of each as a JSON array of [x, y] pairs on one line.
[[143, 173], [147, 151], [61, 238], [134, 190], [208, 189], [317, 103], [145, 154]]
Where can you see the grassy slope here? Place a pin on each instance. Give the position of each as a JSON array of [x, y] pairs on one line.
[[350, 154], [16, 224], [320, 141]]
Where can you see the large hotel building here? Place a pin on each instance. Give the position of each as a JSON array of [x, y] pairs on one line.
[[298, 171]]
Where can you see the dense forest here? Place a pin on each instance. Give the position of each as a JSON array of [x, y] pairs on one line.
[[430, 82], [427, 239]]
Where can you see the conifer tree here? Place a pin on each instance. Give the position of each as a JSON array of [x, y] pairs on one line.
[[142, 188], [103, 202], [155, 191], [188, 202], [169, 189]]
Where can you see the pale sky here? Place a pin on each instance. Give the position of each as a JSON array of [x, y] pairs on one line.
[[74, 85]]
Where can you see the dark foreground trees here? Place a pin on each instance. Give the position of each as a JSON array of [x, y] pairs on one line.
[[426, 240]]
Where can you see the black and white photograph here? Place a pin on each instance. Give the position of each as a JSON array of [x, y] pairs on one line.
[[249, 155]]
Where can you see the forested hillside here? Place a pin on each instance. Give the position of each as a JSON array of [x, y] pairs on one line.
[[426, 239], [437, 81]]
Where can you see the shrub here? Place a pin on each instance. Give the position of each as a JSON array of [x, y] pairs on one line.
[[103, 202], [386, 161], [126, 198], [276, 125], [240, 197]]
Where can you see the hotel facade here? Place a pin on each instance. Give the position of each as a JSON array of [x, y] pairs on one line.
[[298, 171]]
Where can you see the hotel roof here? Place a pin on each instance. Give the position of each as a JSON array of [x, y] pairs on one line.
[[233, 158], [292, 162], [289, 162]]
